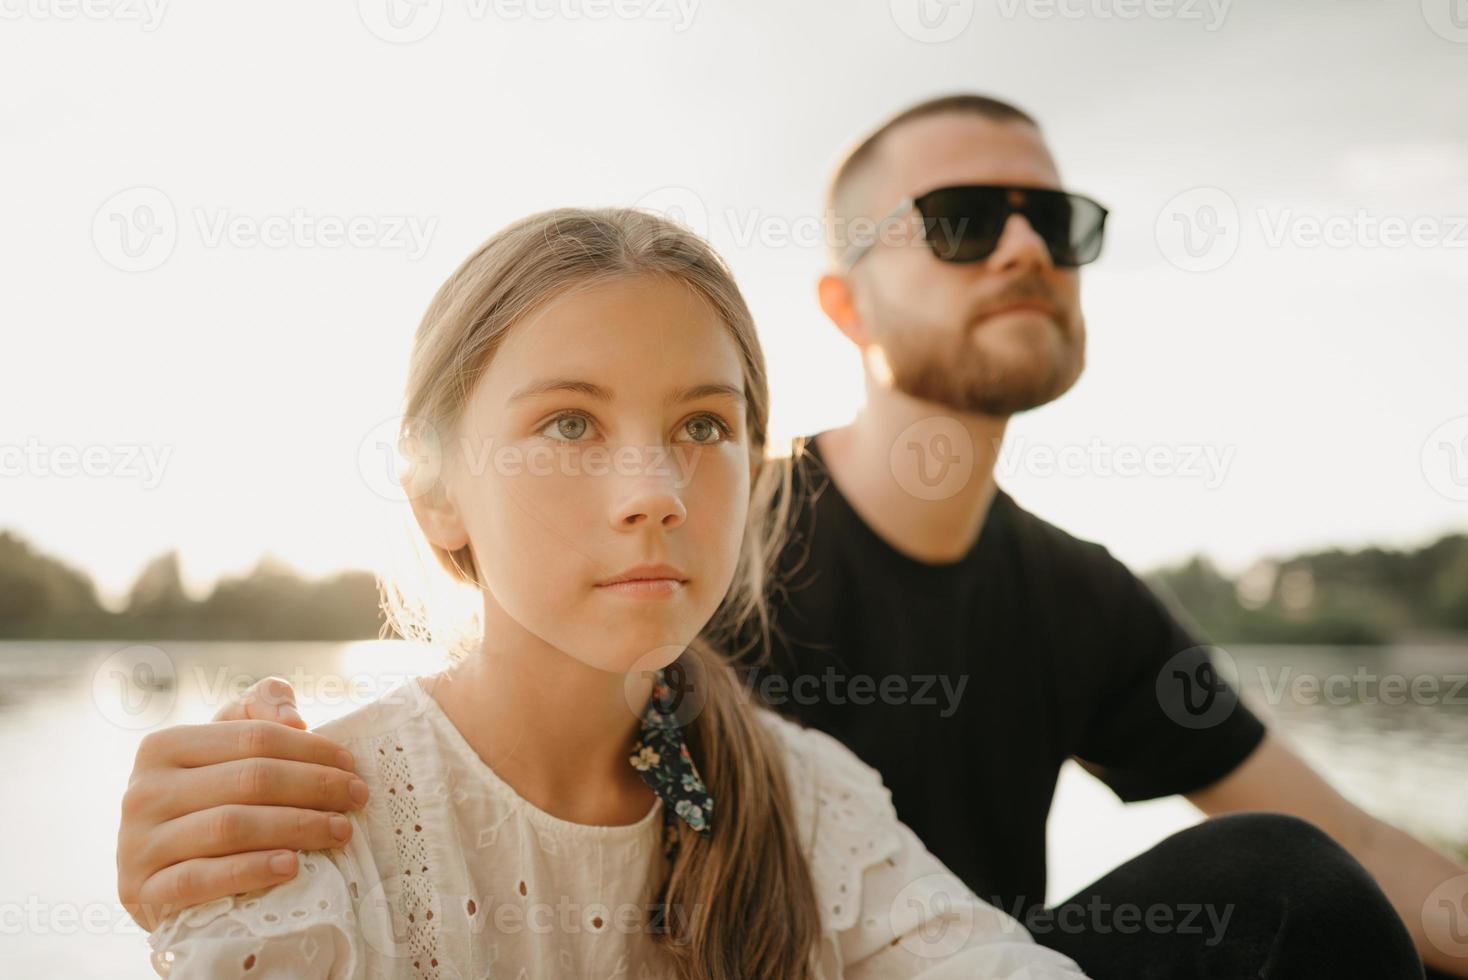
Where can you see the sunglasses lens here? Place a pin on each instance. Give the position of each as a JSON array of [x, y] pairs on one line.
[[964, 224], [1070, 224]]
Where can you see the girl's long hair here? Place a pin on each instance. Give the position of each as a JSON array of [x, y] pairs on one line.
[[741, 903]]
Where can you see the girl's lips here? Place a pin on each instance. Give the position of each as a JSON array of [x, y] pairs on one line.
[[645, 588]]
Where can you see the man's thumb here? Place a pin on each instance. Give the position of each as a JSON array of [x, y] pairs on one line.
[[268, 699]]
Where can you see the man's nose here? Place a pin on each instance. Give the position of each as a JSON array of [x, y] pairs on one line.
[[1019, 246]]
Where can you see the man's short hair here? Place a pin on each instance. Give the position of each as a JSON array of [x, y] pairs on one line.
[[859, 157]]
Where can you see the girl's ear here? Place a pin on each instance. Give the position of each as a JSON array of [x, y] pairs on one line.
[[439, 517]]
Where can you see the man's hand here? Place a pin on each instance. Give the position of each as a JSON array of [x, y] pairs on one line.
[[218, 809]]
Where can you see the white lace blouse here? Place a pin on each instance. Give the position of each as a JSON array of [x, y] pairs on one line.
[[451, 874]]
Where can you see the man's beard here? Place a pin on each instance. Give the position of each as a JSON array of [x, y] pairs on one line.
[[953, 369]]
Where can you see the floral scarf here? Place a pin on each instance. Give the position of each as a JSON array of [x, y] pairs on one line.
[[661, 756]]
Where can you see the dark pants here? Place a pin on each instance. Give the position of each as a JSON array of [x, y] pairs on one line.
[[1262, 896]]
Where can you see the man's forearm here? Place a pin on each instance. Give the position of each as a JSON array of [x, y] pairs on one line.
[[1409, 872]]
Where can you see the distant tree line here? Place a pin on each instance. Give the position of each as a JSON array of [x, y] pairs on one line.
[[42, 597], [1370, 596]]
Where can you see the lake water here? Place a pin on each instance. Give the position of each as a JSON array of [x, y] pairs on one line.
[[1389, 727]]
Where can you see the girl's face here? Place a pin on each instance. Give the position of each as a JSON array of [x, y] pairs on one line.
[[606, 433]]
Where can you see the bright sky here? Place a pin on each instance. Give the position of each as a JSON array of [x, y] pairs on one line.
[[1294, 392]]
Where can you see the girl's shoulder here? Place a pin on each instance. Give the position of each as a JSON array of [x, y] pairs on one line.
[[888, 907], [399, 706], [844, 814]]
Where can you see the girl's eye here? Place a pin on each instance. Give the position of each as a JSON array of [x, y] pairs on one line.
[[707, 428], [567, 427]]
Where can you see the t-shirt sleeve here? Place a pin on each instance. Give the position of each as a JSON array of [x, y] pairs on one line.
[[1162, 716], [300, 929]]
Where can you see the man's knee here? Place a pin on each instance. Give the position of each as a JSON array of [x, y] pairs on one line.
[[1294, 861]]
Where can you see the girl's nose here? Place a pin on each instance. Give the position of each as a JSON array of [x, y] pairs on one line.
[[651, 504]]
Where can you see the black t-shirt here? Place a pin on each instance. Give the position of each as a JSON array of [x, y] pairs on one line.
[[968, 684]]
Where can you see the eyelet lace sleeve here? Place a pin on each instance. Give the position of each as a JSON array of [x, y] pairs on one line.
[[301, 929], [889, 908]]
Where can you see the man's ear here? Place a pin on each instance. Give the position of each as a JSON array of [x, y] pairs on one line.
[[839, 304], [439, 517]]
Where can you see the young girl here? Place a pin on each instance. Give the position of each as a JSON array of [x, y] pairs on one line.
[[589, 793]]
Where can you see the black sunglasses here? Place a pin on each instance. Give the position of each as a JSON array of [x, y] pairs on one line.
[[964, 223]]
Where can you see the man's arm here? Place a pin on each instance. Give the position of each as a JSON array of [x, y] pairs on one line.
[[1275, 778], [218, 809]]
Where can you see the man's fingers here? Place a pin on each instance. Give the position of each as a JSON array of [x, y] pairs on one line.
[[239, 829], [259, 782], [205, 879], [268, 699], [187, 746]]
